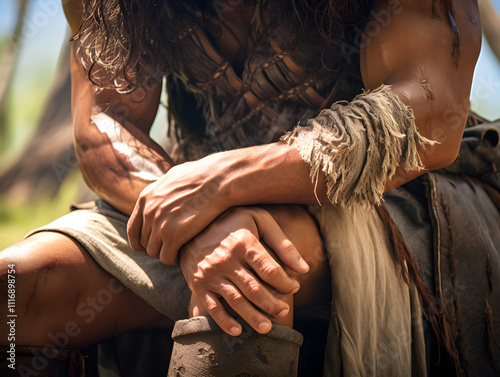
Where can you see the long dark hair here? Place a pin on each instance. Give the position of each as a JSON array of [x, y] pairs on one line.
[[127, 43]]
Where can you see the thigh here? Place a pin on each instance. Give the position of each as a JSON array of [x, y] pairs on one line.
[[63, 297]]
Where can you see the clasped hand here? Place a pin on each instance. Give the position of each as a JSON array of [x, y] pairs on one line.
[[174, 209], [222, 256], [233, 260]]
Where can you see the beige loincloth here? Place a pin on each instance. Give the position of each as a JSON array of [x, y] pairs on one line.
[[376, 326]]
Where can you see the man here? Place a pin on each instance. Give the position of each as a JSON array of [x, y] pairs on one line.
[[251, 71]]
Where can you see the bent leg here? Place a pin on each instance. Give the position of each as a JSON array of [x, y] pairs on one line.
[[63, 297], [301, 228]]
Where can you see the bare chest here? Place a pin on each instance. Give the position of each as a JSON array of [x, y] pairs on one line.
[[232, 37]]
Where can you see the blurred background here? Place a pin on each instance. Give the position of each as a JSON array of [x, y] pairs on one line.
[[39, 176]]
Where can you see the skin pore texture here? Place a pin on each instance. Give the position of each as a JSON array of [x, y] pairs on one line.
[[227, 258]]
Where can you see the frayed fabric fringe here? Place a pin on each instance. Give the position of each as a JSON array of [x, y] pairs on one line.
[[359, 145]]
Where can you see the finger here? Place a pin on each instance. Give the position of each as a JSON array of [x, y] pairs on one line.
[[262, 262], [259, 295], [168, 255], [273, 235], [134, 227], [154, 243], [248, 312], [196, 307], [146, 230], [216, 310]]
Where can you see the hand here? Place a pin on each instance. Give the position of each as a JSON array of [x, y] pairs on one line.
[[174, 209], [228, 261]]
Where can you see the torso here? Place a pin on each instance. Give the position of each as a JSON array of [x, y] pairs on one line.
[[250, 90], [235, 42]]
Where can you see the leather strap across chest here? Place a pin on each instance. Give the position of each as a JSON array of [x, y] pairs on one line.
[[274, 92]]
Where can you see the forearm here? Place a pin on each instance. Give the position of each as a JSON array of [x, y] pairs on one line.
[[266, 174], [346, 155], [116, 156], [358, 151]]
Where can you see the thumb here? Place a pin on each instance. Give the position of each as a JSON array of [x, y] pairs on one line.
[[272, 234]]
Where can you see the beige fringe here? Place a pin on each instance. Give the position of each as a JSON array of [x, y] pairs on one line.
[[359, 145]]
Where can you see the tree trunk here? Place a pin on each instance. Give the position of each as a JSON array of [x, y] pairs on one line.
[[49, 155], [8, 65]]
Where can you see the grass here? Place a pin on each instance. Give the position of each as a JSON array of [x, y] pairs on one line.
[[19, 216]]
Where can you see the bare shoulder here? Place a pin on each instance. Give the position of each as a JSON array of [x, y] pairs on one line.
[[429, 16], [463, 12], [401, 33], [73, 10]]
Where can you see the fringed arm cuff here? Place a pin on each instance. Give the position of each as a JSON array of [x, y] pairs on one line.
[[359, 145]]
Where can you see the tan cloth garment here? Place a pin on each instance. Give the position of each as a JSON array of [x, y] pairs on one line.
[[380, 330], [102, 230]]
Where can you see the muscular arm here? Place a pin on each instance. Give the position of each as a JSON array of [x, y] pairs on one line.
[[116, 156], [412, 53]]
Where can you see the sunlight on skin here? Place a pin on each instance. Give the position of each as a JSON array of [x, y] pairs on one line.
[[144, 168]]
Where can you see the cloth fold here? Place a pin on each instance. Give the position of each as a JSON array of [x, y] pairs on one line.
[[376, 327]]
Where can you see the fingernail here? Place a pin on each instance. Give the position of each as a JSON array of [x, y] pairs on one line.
[[264, 326], [303, 264], [235, 331]]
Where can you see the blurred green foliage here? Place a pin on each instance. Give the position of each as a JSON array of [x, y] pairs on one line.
[[25, 102], [18, 217]]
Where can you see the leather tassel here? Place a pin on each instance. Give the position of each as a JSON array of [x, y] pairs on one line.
[[433, 307]]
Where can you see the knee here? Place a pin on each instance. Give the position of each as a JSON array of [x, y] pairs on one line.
[[20, 272], [299, 225], [32, 272]]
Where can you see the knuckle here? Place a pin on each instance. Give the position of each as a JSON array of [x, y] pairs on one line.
[[148, 215], [213, 308], [203, 271], [241, 237], [270, 271], [165, 259], [224, 322], [216, 260], [251, 254], [163, 227], [235, 298], [253, 290], [224, 257], [272, 307], [289, 288], [197, 282], [287, 245], [141, 200]]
